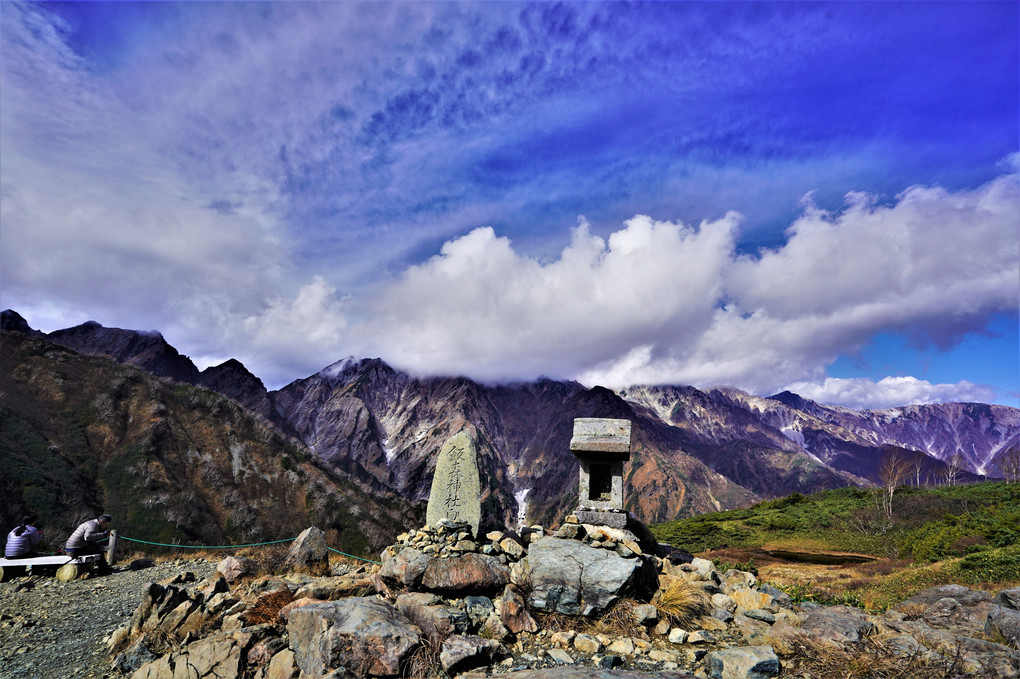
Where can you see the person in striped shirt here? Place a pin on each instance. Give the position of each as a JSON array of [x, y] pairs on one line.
[[22, 540]]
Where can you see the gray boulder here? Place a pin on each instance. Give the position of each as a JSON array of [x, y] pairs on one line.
[[570, 578], [216, 656], [836, 624], [478, 608], [646, 614], [468, 573], [309, 549], [1009, 598], [465, 574], [404, 570], [436, 620], [742, 662], [1004, 622], [923, 600], [461, 652], [133, 657], [976, 656], [364, 635], [233, 568], [950, 614], [781, 598]]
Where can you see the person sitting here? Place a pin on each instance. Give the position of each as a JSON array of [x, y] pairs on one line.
[[84, 538], [21, 540]]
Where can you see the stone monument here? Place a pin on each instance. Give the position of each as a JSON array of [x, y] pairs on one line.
[[602, 446], [456, 490]]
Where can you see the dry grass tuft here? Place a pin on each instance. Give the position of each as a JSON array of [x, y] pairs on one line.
[[557, 622], [681, 603], [617, 621], [868, 660], [267, 608], [424, 661], [270, 560]]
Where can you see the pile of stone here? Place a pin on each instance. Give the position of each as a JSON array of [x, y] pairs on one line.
[[476, 612], [446, 539], [619, 540], [443, 539]]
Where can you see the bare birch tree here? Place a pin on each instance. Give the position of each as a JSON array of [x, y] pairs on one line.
[[954, 466], [896, 466], [1009, 464]]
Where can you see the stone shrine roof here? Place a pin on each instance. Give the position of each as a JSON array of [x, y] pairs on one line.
[[601, 438]]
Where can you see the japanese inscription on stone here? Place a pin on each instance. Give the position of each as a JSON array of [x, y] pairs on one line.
[[456, 490]]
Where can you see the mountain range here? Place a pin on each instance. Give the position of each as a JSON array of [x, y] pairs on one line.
[[378, 430]]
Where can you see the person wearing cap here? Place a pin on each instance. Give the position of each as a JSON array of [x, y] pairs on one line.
[[84, 538], [21, 540]]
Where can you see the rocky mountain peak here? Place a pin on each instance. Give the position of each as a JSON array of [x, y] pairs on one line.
[[145, 350], [12, 321], [791, 399]]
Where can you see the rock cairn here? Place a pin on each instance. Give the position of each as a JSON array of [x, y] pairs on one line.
[[618, 540], [447, 539]]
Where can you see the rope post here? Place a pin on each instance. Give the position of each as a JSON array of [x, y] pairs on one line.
[[111, 551]]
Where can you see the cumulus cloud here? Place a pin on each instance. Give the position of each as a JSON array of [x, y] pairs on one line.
[[889, 392], [665, 302], [482, 309]]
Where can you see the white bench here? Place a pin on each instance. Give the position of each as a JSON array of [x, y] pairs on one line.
[[70, 567]]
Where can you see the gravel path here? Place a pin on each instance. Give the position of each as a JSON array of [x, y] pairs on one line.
[[55, 630]]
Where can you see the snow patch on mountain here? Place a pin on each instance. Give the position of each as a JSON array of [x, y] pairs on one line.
[[522, 506]]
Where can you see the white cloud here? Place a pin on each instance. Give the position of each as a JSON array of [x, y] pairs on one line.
[[662, 302], [889, 392], [480, 308], [931, 256]]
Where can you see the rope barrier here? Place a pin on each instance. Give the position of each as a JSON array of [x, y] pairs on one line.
[[352, 556], [163, 544], [253, 544]]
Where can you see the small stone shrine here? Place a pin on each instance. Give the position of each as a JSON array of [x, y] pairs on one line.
[[602, 446], [456, 489]]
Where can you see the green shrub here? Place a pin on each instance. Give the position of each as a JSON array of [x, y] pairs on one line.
[[992, 565]]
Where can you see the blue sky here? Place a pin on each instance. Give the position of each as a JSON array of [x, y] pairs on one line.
[[816, 196]]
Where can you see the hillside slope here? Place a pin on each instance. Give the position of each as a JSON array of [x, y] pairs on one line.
[[171, 462]]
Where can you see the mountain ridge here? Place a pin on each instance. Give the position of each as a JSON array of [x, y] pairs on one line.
[[694, 450]]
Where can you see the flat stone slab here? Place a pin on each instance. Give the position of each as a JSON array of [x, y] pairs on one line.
[[603, 436], [597, 518], [571, 578]]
